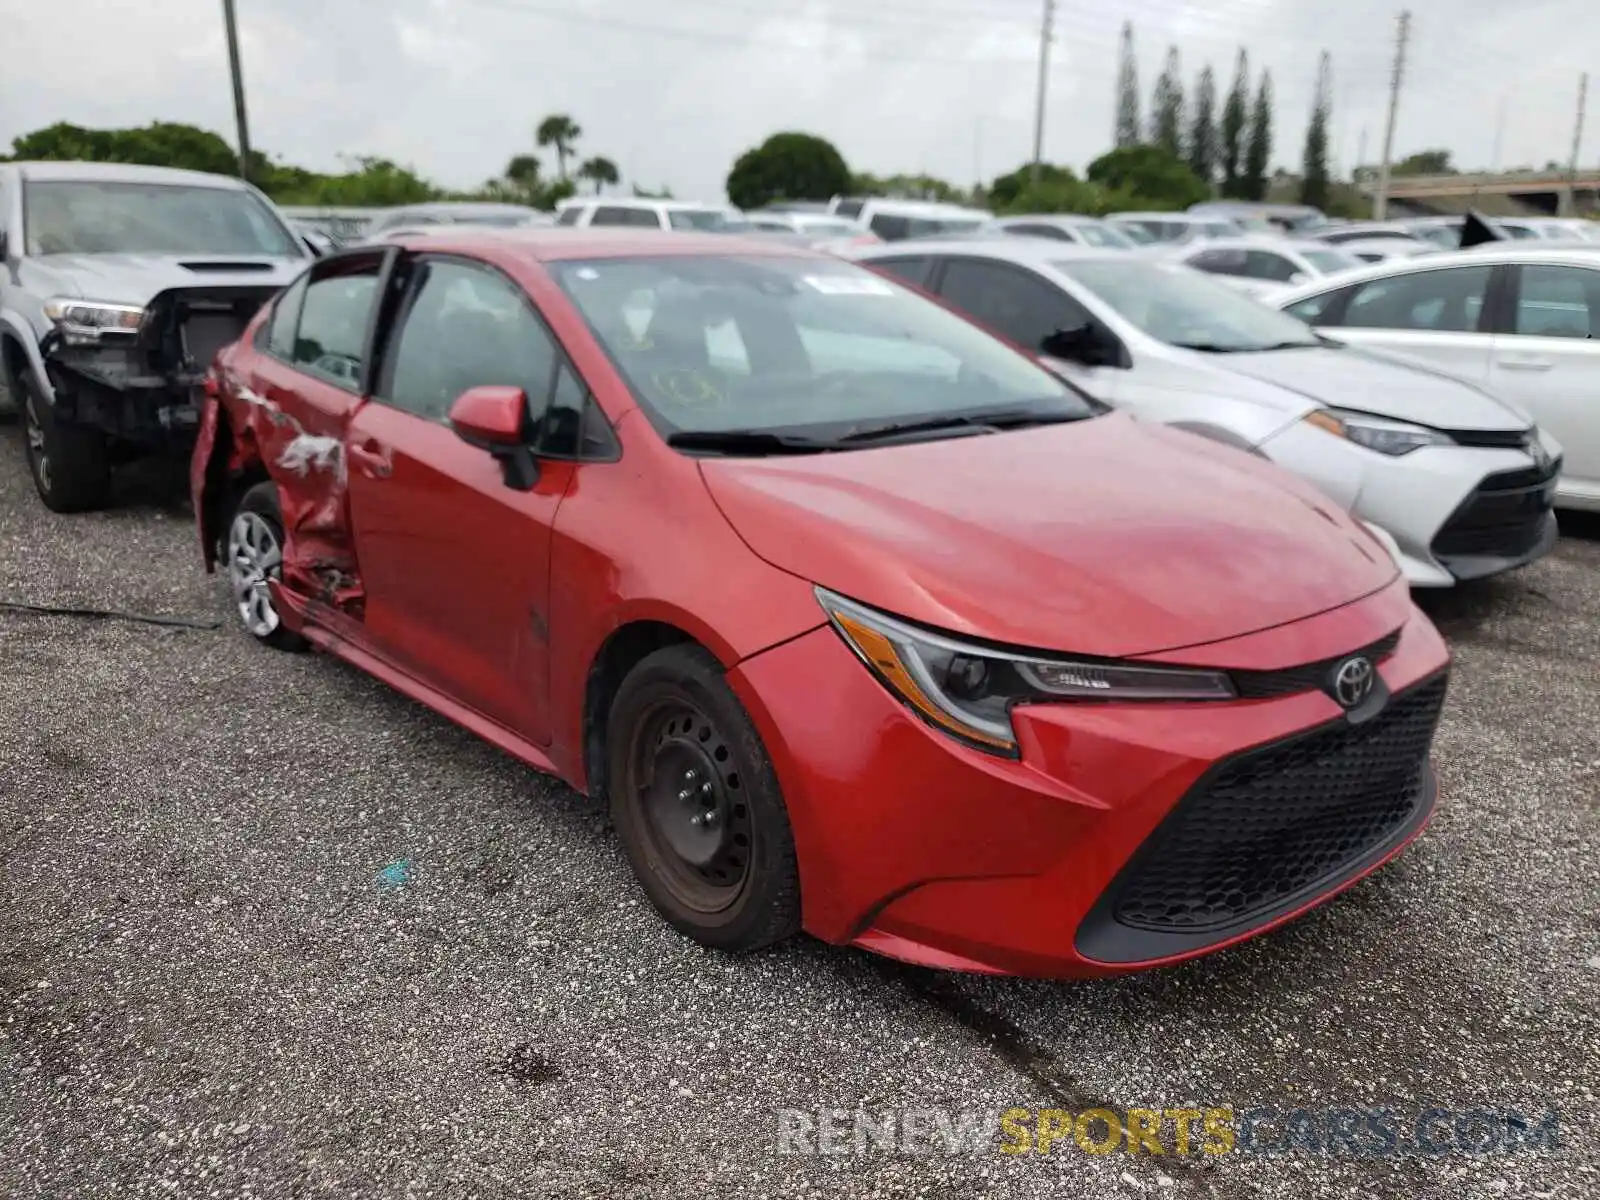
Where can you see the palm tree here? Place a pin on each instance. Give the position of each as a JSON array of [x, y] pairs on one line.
[[560, 131], [600, 172]]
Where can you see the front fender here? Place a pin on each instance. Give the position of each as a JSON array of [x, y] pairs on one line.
[[15, 327]]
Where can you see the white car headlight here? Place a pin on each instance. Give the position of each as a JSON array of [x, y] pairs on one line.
[[88, 319], [1386, 436], [968, 690]]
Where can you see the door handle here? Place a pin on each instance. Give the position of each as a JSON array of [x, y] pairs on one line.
[[372, 458], [1514, 362]]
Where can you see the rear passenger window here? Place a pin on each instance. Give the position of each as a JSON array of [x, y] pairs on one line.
[[914, 271], [890, 229], [332, 332], [1219, 262], [1559, 302], [614, 214], [569, 216], [1263, 264]]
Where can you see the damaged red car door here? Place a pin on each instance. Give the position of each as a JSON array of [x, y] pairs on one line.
[[455, 561], [302, 392]]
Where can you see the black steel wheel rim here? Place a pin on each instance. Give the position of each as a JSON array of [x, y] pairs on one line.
[[692, 805]]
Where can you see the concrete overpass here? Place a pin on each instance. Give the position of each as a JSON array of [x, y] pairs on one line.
[[1550, 193]]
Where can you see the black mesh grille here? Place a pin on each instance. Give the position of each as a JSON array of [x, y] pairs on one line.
[[1505, 517], [1261, 685], [1276, 820]]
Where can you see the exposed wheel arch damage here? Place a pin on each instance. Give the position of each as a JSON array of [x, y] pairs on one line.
[[252, 440]]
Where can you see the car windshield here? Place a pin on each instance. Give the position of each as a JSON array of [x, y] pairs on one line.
[[98, 217], [1103, 236], [1182, 307], [710, 220], [827, 228], [1137, 234], [770, 345], [1329, 261]]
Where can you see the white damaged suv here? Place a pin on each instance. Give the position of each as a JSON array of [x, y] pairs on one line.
[[118, 285]]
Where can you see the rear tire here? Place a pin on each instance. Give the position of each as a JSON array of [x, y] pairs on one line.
[[70, 465], [697, 805], [253, 551]]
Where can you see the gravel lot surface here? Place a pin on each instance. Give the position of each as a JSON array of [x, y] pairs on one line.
[[268, 929]]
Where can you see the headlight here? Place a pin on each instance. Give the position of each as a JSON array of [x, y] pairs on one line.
[[88, 319], [1376, 433], [968, 690]]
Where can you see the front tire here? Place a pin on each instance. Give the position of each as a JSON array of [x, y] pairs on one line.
[[70, 465], [253, 550], [697, 805]]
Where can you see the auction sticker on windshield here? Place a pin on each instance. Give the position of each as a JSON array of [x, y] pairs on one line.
[[848, 285]]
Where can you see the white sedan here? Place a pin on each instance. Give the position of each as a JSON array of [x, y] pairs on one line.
[[1514, 318], [1454, 483]]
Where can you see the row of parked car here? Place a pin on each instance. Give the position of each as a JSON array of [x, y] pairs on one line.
[[992, 603]]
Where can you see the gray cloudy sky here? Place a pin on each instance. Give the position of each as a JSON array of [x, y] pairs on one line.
[[674, 91]]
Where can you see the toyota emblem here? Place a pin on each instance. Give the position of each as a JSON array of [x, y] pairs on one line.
[[1353, 681]]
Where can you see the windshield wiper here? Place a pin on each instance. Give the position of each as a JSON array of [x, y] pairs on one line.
[[747, 441], [1219, 348], [989, 422]]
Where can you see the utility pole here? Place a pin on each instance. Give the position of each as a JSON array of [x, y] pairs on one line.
[[238, 88], [1577, 142], [1380, 198], [1044, 80]]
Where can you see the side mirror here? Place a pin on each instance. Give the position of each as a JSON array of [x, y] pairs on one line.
[[1087, 344], [495, 418]]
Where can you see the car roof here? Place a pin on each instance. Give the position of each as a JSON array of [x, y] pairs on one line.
[[1515, 252], [461, 206], [1183, 218], [1018, 250], [1258, 241], [88, 172], [556, 243], [644, 202], [1049, 218]]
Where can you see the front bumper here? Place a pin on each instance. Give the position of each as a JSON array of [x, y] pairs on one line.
[[916, 847], [1445, 510]]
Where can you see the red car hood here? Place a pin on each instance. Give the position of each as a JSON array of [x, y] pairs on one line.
[[1109, 537]]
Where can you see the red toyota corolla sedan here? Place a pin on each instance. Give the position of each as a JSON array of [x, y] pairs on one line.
[[861, 621]]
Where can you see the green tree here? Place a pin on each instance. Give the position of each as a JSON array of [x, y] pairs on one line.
[[1314, 160], [1430, 162], [1006, 191], [162, 144], [1202, 146], [1160, 179], [1258, 144], [665, 193], [1235, 111], [1166, 108], [600, 172], [525, 170], [1127, 126], [562, 132], [788, 166], [908, 187]]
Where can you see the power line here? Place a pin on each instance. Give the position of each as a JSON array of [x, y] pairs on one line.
[[1380, 199]]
